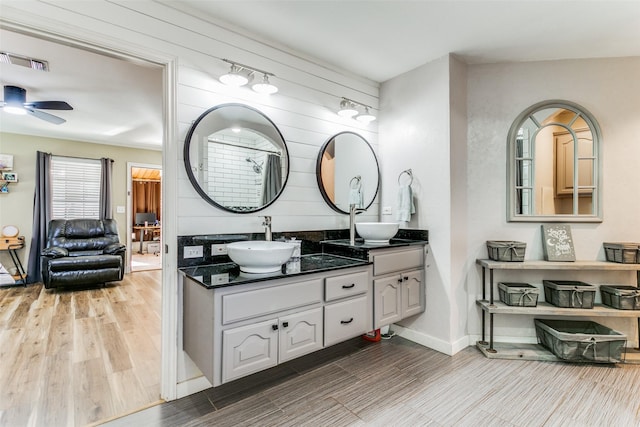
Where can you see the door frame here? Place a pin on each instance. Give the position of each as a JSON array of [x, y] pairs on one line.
[[81, 38], [129, 212]]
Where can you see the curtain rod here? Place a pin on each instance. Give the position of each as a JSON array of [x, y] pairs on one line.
[[278, 153], [82, 158]]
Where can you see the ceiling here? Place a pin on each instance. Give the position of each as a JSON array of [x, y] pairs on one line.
[[119, 102]]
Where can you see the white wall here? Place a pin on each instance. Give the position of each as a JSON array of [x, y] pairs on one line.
[[415, 133], [610, 90]]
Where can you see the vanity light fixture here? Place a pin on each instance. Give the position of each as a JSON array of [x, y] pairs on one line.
[[264, 86], [349, 108], [240, 75], [366, 117]]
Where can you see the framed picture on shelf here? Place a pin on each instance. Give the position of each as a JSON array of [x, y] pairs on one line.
[[557, 242], [6, 162], [10, 176]]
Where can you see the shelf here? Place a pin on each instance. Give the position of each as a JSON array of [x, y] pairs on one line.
[[537, 352], [546, 309], [552, 265]]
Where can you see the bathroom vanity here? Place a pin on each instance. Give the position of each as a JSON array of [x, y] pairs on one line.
[[249, 324], [237, 324]]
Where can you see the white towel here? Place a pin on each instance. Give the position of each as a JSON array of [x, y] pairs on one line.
[[405, 204], [356, 197]]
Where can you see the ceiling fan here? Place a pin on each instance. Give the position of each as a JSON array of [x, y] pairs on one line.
[[15, 102]]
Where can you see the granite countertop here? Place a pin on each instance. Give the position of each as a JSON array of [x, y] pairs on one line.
[[360, 243], [229, 274]]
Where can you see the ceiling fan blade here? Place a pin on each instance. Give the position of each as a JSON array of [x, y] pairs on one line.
[[46, 116], [49, 105]]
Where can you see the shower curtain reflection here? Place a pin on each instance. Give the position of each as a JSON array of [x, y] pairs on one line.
[[272, 181]]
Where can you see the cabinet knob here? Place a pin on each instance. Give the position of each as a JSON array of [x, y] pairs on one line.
[[285, 324], [346, 322], [274, 327], [405, 278], [348, 286], [400, 280]]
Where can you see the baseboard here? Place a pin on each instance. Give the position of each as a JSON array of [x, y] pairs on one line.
[[192, 386], [436, 344]]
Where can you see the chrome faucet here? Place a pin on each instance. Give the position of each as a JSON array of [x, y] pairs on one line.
[[267, 228], [352, 222]]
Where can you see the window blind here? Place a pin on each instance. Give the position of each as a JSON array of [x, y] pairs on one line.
[[75, 188]]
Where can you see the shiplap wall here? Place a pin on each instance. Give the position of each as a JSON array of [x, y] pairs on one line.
[[304, 108]]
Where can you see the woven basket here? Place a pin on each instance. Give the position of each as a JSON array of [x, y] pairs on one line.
[[506, 250], [623, 253]]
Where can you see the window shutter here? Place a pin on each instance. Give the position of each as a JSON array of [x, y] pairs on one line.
[[75, 189]]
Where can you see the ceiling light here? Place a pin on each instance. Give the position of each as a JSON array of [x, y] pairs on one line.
[[347, 108], [14, 109], [234, 78], [366, 117], [265, 87]]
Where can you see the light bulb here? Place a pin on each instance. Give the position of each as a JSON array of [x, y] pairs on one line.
[[13, 109], [234, 78], [265, 87], [347, 109], [366, 117]]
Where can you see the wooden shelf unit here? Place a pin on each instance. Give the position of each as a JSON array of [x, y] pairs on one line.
[[536, 351]]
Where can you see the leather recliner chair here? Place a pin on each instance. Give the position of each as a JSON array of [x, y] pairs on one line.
[[82, 252]]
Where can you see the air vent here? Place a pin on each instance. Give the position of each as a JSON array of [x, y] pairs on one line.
[[23, 61]]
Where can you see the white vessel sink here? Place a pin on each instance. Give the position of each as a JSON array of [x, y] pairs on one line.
[[377, 232], [259, 256]]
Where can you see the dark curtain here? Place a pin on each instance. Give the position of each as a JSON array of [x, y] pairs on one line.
[[106, 211], [41, 216], [272, 182]]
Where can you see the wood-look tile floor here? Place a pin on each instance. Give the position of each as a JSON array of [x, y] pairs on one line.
[[399, 383], [76, 357]]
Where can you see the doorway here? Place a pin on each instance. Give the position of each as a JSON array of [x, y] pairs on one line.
[[144, 216]]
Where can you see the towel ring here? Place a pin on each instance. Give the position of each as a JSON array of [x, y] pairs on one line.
[[408, 172], [357, 179]]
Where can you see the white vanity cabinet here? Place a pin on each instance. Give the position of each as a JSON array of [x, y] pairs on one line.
[[398, 284], [252, 348], [234, 331]]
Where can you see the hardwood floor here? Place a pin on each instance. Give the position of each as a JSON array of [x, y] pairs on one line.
[[76, 357], [399, 383]]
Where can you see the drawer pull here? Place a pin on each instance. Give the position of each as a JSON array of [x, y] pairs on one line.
[[274, 327], [346, 322], [349, 286], [285, 324]]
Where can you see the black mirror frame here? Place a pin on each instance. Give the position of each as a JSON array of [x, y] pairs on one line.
[[194, 181], [325, 196]]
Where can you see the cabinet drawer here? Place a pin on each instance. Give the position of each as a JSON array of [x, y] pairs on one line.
[[345, 285], [250, 304], [397, 261], [344, 320]]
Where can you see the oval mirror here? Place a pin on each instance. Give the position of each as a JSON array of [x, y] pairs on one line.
[[347, 172], [236, 158], [554, 165]]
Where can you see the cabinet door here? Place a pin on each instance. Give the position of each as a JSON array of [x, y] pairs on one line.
[[387, 297], [412, 293], [249, 349], [300, 333]]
